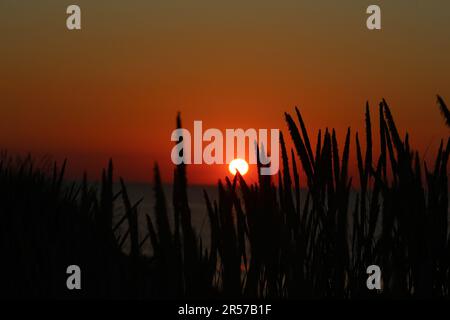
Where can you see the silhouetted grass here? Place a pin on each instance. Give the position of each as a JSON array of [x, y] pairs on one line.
[[266, 240]]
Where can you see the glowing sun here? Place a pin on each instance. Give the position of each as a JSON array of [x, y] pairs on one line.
[[238, 165]]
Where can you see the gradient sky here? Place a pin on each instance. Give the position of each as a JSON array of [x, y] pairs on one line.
[[113, 88]]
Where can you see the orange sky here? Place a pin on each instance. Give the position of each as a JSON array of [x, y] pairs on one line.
[[113, 88]]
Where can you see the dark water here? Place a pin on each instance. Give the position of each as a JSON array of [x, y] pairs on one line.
[[199, 215], [197, 204]]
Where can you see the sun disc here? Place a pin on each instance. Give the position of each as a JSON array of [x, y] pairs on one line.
[[238, 165]]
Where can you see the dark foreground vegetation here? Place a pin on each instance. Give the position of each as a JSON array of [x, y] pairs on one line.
[[267, 240]]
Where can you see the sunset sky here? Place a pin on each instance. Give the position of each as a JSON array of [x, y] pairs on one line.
[[113, 89]]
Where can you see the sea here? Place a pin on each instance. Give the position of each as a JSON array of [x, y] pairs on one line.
[[144, 193]]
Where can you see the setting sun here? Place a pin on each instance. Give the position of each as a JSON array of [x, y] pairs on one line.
[[238, 164]]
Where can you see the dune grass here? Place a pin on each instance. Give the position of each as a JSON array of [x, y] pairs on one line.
[[268, 240]]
